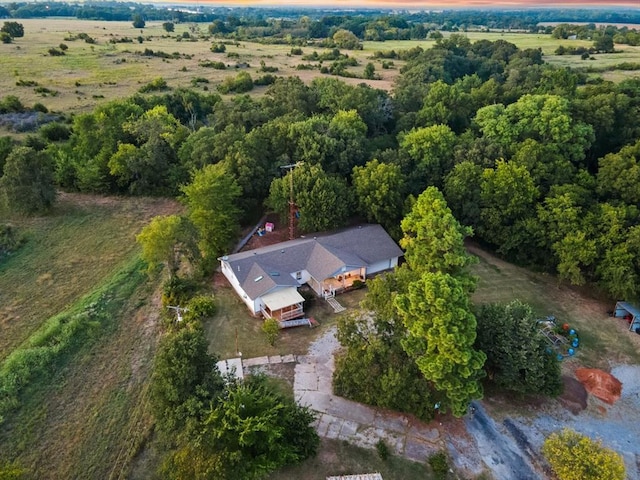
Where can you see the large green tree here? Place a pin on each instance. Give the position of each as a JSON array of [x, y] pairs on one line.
[[508, 195], [165, 240], [434, 240], [323, 201], [379, 189], [250, 432], [619, 175], [373, 367], [26, 187], [518, 356], [430, 150], [544, 118], [149, 165], [441, 335], [211, 199], [185, 379]]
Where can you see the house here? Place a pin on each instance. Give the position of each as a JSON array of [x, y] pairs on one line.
[[267, 278]]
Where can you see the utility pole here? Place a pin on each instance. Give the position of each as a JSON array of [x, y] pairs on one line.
[[292, 205]]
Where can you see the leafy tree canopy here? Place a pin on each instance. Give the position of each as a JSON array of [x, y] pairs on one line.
[[26, 186], [518, 356], [576, 457]]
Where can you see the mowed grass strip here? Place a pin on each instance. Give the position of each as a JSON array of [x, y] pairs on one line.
[[67, 254], [90, 415]]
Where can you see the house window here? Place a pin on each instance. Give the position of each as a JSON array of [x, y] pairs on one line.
[[298, 275]]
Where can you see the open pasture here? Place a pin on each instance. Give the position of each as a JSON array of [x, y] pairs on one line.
[[92, 73]]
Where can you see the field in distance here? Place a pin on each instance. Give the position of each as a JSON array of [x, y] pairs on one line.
[[114, 65]]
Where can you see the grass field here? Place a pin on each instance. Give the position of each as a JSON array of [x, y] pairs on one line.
[[85, 414], [89, 74]]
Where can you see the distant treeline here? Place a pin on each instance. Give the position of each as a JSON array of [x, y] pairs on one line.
[[318, 23]]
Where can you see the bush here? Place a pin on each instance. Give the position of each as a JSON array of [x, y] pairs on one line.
[[5, 37], [218, 48], [576, 457], [178, 291], [296, 51], [154, 86], [54, 52], [267, 79], [215, 65], [26, 83], [55, 132], [239, 84], [11, 104], [10, 241], [382, 449], [439, 465], [271, 330], [200, 307]]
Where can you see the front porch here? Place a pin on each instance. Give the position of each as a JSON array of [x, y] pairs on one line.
[[344, 281]]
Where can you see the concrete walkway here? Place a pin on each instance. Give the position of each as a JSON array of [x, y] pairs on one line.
[[356, 423], [343, 419]]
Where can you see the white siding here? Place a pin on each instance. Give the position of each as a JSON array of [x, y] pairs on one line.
[[382, 265], [254, 306], [304, 277]]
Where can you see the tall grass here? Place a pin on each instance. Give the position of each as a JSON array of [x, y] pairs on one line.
[[63, 333]]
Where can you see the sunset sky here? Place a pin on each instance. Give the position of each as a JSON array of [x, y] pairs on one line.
[[422, 4]]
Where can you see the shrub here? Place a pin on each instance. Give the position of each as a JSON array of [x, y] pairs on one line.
[[296, 51], [266, 68], [382, 449], [239, 84], [198, 80], [218, 48], [5, 37], [178, 291], [54, 52], [214, 65], [271, 330], [439, 465], [10, 241], [26, 83], [38, 107], [154, 86], [576, 457], [267, 79], [55, 132], [199, 307]]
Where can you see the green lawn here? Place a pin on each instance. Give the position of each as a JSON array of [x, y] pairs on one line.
[[604, 340]]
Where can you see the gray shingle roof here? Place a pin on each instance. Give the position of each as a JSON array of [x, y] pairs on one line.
[[322, 255]]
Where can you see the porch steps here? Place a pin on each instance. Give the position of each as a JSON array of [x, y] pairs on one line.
[[337, 308]]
